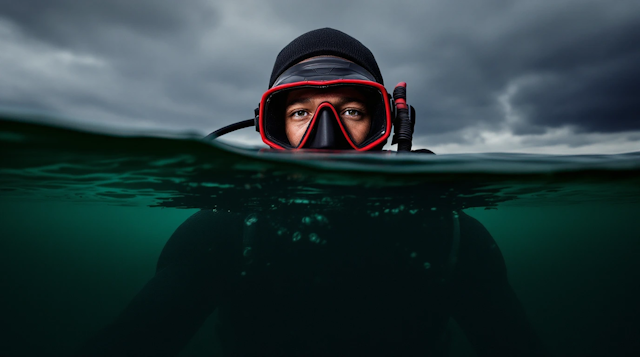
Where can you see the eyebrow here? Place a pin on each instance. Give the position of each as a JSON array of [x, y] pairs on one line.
[[304, 100]]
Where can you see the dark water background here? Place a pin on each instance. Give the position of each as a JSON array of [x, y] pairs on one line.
[[84, 216]]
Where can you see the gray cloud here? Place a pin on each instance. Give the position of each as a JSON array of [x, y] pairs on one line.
[[595, 98], [96, 24], [203, 64]]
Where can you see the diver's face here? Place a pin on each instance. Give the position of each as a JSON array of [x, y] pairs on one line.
[[350, 104]]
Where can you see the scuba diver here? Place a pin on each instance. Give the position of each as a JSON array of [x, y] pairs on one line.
[[383, 286]]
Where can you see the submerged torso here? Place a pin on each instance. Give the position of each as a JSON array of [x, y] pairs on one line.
[[340, 284]]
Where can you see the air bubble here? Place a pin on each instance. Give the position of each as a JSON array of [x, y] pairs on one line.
[[320, 218], [251, 219], [314, 238]]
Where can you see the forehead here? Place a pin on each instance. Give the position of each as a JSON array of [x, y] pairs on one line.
[[325, 93]]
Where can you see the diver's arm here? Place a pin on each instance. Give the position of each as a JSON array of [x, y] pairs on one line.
[[172, 306], [484, 304]]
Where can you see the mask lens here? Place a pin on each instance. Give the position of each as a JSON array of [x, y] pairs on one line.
[[359, 114]]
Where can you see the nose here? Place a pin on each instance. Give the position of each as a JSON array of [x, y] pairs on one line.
[[326, 133]]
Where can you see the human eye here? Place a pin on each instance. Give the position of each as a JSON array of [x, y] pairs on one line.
[[299, 114], [352, 113]]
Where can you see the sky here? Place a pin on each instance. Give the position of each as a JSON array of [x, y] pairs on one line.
[[552, 77]]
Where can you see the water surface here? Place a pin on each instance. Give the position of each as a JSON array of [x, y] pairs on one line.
[[84, 216]]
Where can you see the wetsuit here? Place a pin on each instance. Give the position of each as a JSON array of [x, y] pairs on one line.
[[342, 283]]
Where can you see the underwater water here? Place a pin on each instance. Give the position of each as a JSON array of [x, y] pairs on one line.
[[84, 217]]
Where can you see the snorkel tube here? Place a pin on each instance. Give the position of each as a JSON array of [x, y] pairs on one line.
[[405, 119]]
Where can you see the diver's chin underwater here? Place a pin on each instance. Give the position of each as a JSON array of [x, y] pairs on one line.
[[85, 218]]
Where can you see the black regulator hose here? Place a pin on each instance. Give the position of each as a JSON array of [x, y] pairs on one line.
[[405, 119], [229, 128]]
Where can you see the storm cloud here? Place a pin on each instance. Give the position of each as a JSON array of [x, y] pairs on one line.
[[525, 74]]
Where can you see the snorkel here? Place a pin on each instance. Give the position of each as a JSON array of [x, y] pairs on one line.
[[405, 119]]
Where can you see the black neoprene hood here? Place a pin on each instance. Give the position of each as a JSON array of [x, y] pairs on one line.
[[325, 41]]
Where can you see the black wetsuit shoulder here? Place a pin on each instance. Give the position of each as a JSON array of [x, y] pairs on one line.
[[206, 238], [484, 304]]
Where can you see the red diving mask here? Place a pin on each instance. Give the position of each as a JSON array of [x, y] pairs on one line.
[[325, 103]]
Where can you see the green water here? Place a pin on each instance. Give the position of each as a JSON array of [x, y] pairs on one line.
[[84, 216]]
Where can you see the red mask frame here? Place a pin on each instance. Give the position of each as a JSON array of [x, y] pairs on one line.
[[387, 123]]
